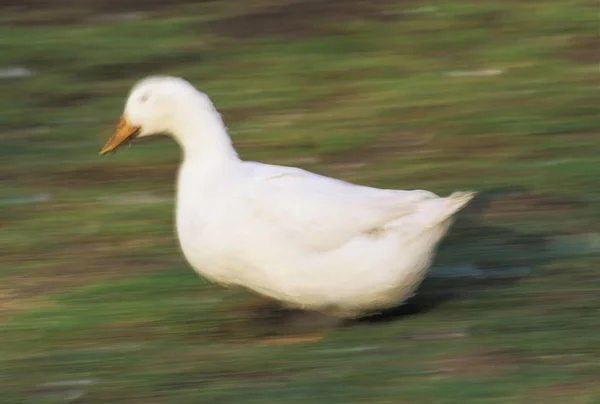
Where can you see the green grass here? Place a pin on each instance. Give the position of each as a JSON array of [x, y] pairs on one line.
[[93, 285]]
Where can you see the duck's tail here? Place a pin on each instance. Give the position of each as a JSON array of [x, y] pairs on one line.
[[457, 200], [432, 212], [446, 207]]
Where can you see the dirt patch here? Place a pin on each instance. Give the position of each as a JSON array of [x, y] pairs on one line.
[[239, 115], [79, 269], [192, 377], [273, 314], [488, 19], [75, 12], [461, 147], [132, 331], [159, 64], [549, 155], [12, 301], [113, 70], [575, 300], [258, 319], [95, 5], [30, 290], [583, 49], [62, 100], [298, 18], [84, 259], [572, 144], [568, 389], [97, 175], [527, 204], [393, 143], [480, 363]]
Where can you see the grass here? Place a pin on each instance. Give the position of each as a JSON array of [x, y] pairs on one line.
[[94, 287]]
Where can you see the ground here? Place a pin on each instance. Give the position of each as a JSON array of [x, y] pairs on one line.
[[97, 304]]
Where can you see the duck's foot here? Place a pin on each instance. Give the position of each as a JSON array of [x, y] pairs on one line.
[[410, 308], [282, 324]]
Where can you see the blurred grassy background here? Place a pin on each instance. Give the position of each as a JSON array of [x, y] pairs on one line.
[[96, 302]]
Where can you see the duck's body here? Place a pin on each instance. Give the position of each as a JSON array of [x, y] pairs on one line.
[[305, 239]]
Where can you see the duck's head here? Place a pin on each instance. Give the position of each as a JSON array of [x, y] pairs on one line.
[[157, 105]]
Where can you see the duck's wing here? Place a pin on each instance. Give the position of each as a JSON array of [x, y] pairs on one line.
[[323, 213]]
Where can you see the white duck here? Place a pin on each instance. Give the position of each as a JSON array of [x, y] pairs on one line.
[[311, 241]]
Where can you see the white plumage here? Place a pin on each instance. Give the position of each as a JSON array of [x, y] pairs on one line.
[[308, 240]]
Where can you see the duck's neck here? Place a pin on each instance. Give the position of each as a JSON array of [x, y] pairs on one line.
[[204, 139]]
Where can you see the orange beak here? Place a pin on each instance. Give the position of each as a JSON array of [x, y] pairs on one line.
[[123, 132]]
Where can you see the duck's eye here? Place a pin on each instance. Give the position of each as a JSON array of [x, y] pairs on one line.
[[144, 98]]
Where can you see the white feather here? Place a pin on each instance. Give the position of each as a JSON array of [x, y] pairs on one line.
[[306, 239]]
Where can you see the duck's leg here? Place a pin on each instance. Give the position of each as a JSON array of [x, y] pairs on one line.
[[287, 324]]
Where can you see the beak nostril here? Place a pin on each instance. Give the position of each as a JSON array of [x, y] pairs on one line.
[[123, 132]]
